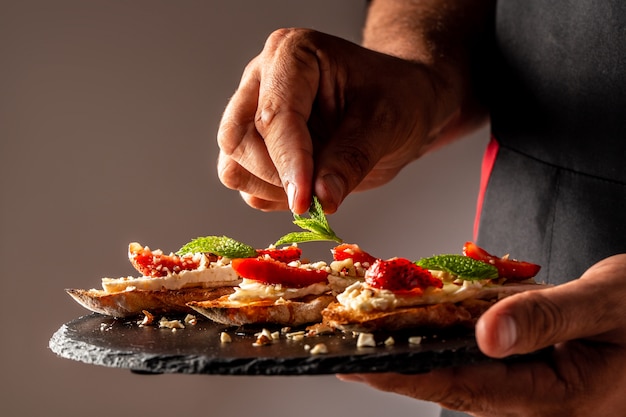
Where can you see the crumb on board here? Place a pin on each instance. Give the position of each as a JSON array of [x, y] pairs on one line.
[[319, 349], [415, 340], [148, 318], [170, 324], [191, 320], [365, 340], [262, 340]]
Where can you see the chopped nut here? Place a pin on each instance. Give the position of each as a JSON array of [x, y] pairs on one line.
[[264, 332], [319, 349], [366, 340], [262, 340], [415, 340], [191, 319], [390, 341], [319, 328], [148, 318], [225, 337], [297, 336], [170, 324]]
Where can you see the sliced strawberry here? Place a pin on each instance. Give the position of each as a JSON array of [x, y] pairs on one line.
[[351, 250], [286, 254], [511, 269], [270, 271], [399, 274], [156, 263]]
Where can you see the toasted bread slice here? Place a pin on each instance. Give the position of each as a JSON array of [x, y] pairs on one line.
[[132, 302], [294, 312], [439, 314], [433, 316]]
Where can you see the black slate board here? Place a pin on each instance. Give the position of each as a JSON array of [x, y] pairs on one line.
[[196, 349]]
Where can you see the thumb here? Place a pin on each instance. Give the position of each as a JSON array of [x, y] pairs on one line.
[[341, 165], [359, 154], [590, 307]]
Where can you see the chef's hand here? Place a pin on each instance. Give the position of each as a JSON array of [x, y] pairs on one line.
[[316, 114], [584, 375]]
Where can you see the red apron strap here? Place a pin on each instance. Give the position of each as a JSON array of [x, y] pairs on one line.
[[489, 158]]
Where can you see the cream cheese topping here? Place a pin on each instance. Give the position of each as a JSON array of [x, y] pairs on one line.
[[206, 276], [250, 290], [360, 296]]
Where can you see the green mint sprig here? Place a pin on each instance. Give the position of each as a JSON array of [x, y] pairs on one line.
[[316, 227], [218, 245], [461, 266]]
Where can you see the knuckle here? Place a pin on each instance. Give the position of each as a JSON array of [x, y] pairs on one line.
[[277, 37], [230, 173], [280, 37], [544, 318], [286, 49], [250, 69], [233, 138], [227, 139]]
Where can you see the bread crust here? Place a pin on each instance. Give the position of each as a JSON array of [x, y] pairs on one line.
[[295, 312], [434, 316], [133, 302]]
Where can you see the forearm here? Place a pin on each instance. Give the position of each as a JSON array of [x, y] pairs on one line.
[[448, 37]]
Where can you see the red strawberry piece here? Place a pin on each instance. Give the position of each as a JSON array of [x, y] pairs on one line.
[[271, 271], [287, 254], [351, 250], [156, 263], [400, 274]]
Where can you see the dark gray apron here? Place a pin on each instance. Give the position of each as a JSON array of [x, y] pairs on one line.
[[557, 191]]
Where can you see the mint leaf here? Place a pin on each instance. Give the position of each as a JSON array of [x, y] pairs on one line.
[[316, 226], [317, 213], [218, 245], [462, 266], [299, 237], [310, 225]]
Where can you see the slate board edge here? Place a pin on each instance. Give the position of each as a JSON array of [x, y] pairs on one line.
[[66, 346]]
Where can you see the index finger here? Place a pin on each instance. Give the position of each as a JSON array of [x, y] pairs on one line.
[[288, 87], [237, 136]]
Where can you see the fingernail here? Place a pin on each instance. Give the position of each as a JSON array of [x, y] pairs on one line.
[[291, 195], [507, 333], [334, 187]]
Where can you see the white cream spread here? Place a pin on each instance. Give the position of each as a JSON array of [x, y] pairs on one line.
[[250, 290], [362, 297], [206, 276]]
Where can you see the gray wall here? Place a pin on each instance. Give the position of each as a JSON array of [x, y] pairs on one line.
[[108, 115]]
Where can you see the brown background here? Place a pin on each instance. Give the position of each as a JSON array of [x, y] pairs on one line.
[[108, 115]]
